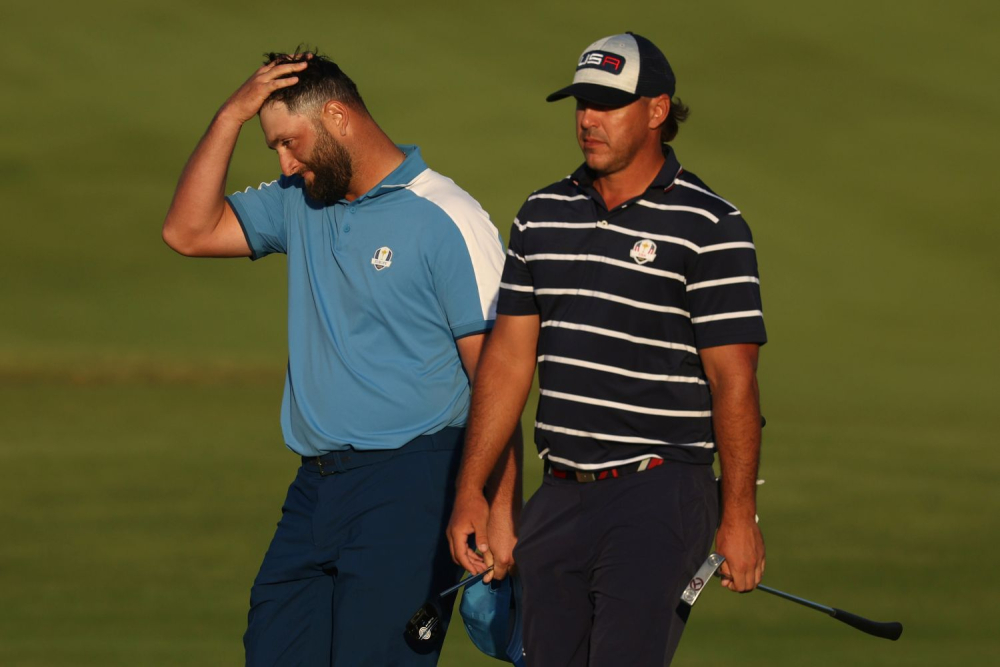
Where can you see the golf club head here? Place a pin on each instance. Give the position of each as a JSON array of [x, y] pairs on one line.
[[702, 577]]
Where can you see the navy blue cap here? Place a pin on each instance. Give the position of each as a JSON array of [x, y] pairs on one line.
[[618, 70]]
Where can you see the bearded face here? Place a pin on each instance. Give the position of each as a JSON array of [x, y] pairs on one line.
[[331, 166]]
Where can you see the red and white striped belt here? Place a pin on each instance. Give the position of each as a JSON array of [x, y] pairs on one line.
[[603, 473]]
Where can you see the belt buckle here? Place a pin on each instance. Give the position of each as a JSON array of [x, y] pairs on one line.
[[582, 476], [323, 473]]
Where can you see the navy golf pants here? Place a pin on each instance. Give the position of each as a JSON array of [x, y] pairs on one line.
[[359, 548], [603, 565]]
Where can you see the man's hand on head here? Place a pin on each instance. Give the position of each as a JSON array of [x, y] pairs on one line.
[[249, 98]]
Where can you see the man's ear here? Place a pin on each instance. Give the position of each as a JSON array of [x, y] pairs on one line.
[[659, 109], [336, 117]]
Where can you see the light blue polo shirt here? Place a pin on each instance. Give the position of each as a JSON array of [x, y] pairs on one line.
[[379, 289]]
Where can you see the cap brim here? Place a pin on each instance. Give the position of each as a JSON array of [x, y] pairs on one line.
[[592, 92]]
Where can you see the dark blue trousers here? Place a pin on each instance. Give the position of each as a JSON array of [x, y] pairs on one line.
[[603, 565], [360, 547]]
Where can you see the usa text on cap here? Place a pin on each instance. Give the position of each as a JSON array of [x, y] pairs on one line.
[[618, 70]]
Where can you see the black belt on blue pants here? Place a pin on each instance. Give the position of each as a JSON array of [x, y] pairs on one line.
[[340, 461]]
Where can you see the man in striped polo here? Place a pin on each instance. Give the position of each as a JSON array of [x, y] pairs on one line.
[[635, 288]]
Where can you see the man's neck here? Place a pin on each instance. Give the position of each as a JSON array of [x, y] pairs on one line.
[[379, 159], [620, 186]]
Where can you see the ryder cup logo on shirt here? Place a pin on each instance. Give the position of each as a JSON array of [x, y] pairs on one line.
[[643, 251], [382, 258]]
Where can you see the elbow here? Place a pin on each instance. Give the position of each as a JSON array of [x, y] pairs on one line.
[[737, 385], [176, 240]]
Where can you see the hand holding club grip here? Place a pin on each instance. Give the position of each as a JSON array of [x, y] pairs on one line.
[[710, 568]]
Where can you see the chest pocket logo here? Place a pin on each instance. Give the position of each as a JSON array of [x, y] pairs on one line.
[[382, 259], [643, 251]]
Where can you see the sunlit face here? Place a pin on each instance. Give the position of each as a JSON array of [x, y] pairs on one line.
[[610, 137], [305, 147]]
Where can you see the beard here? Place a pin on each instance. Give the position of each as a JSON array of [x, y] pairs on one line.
[[615, 158], [332, 169]]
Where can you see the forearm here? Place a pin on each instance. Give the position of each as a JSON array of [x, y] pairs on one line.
[[199, 200], [736, 418], [732, 375], [504, 489], [503, 380]]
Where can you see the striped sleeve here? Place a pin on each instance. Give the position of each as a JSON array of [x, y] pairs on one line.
[[516, 286], [723, 287]]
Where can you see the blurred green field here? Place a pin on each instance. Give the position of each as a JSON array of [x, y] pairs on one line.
[[141, 467]]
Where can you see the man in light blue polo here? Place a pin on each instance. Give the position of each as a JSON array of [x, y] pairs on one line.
[[393, 273]]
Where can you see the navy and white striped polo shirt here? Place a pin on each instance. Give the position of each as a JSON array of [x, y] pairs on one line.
[[626, 298]]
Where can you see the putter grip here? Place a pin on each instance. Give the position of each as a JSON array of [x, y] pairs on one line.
[[890, 631]]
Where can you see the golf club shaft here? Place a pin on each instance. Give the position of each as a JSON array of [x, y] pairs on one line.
[[890, 631], [794, 598], [465, 582]]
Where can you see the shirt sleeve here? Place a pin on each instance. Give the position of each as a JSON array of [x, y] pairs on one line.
[[723, 287], [261, 213], [467, 272], [517, 292]]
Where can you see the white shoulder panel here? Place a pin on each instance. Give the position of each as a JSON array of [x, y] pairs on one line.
[[481, 237]]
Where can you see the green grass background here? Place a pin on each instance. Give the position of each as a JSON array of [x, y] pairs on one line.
[[141, 467]]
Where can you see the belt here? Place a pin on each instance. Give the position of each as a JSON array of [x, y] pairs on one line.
[[604, 473], [448, 439]]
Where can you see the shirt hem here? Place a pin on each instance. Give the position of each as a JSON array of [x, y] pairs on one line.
[[472, 329]]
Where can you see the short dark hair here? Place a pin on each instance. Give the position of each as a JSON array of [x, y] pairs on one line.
[[320, 81], [678, 114]]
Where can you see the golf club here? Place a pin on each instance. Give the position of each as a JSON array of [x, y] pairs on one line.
[[890, 630], [710, 568]]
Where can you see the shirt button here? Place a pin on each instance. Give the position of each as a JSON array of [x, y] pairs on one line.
[[347, 228], [350, 209], [602, 223]]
